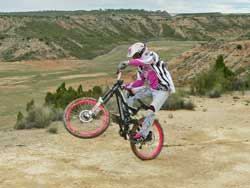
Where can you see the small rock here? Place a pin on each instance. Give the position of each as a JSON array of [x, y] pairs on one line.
[[204, 110], [170, 116]]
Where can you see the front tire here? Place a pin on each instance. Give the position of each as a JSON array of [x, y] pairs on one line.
[[148, 150], [75, 123]]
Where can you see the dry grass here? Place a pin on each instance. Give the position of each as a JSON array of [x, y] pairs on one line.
[[83, 76]]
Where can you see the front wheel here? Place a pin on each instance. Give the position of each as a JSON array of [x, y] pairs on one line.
[[151, 147], [79, 121]]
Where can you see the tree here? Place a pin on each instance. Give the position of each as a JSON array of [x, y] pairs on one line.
[[220, 66], [80, 91]]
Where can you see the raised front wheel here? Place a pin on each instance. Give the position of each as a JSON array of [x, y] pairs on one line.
[[80, 121]]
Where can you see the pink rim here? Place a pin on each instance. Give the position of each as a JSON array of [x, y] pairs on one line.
[[159, 147], [86, 134]]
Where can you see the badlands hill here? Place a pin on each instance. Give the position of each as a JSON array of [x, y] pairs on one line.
[[87, 34]]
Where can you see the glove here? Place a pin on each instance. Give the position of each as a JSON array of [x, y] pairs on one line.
[[123, 65]]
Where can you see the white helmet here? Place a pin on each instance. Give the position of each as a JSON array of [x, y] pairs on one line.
[[137, 50]]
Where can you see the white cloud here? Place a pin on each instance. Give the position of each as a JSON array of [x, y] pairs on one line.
[[225, 6], [173, 6]]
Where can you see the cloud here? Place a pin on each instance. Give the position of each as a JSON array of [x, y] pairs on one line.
[[172, 6], [225, 6]]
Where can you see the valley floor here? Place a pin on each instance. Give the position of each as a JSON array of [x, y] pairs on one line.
[[208, 147]]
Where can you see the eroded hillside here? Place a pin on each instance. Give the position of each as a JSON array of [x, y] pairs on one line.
[[202, 57], [85, 35]]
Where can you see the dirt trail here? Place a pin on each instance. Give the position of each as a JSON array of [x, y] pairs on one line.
[[208, 147]]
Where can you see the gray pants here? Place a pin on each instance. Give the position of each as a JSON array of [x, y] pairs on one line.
[[159, 98]]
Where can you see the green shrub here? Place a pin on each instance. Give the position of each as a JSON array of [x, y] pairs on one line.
[[20, 123], [96, 91], [8, 55], [215, 81], [63, 96], [176, 102], [27, 56], [80, 91], [247, 80], [214, 93], [221, 67], [30, 105], [188, 105], [57, 114], [39, 117], [239, 84], [53, 129]]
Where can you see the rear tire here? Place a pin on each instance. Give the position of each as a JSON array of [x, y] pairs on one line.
[[90, 128], [150, 149]]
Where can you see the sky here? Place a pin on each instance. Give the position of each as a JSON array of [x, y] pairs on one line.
[[171, 6]]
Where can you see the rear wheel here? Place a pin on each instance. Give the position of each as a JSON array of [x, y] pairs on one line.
[[151, 147], [79, 122]]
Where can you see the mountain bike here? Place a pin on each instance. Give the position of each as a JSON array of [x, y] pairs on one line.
[[89, 118]]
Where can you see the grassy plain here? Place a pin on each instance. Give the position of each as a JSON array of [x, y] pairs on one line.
[[22, 81]]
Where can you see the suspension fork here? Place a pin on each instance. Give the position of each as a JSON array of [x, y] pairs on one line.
[[102, 100], [95, 110]]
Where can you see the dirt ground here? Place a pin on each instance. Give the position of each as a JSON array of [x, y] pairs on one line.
[[205, 148]]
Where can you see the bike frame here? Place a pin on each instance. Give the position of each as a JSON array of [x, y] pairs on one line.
[[124, 109]]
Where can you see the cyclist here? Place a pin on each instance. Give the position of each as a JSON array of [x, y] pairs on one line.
[[152, 70]]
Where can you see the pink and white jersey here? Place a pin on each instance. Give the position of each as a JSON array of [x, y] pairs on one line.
[[153, 70]]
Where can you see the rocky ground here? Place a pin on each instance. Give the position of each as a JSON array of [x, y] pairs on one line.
[[208, 147]]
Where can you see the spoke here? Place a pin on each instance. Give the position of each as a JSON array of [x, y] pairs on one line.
[[74, 113]]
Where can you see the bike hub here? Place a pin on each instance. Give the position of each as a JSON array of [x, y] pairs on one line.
[[85, 116]]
